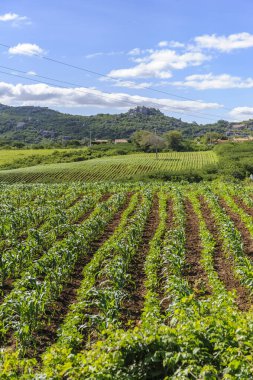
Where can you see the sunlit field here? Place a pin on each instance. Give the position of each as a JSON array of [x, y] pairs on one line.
[[112, 168], [126, 280]]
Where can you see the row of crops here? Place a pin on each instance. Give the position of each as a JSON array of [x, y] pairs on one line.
[[133, 281], [112, 168]]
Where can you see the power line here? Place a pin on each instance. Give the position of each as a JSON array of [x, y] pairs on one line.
[[99, 95], [78, 85], [110, 77]]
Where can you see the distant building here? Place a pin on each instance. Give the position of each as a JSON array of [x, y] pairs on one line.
[[236, 139], [120, 141], [242, 139]]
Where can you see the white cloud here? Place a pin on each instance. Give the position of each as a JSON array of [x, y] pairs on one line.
[[126, 83], [45, 95], [9, 17], [94, 55], [172, 44], [135, 51], [101, 53], [131, 84], [26, 49], [163, 43], [14, 18], [241, 113], [32, 73], [159, 63], [225, 43], [211, 81]]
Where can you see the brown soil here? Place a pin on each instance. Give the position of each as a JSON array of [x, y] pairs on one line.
[[132, 306], [75, 201], [222, 264], [243, 205], [194, 272], [6, 289], [247, 239], [83, 217], [58, 310], [164, 303]]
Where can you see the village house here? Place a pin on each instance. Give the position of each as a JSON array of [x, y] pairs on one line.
[[120, 141]]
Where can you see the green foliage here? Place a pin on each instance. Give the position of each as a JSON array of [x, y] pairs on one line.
[[211, 137], [13, 159], [42, 125], [174, 140], [235, 159], [147, 141], [181, 333]]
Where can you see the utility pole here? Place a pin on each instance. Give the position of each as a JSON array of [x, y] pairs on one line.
[[89, 144], [90, 138], [156, 153]]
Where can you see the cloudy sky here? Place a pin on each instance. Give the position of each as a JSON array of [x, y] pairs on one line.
[[192, 59]]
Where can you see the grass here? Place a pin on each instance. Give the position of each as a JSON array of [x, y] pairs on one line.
[[8, 156], [112, 168]]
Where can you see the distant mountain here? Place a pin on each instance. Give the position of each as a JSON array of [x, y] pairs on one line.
[[33, 124]]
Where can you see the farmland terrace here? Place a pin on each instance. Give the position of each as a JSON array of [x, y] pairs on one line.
[[113, 168]]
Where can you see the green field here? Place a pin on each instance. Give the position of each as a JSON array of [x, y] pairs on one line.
[[126, 281], [112, 168], [8, 156]]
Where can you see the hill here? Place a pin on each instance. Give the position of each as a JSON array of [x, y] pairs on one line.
[[31, 125]]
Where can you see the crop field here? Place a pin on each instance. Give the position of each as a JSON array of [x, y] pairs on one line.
[[126, 281], [112, 168], [8, 156]]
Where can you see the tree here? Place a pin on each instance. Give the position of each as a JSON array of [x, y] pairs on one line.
[[211, 137], [147, 141], [222, 124], [174, 140]]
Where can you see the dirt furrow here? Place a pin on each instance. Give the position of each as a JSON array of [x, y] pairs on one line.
[[222, 264], [132, 306], [8, 283], [75, 201], [164, 301], [6, 288], [239, 224], [194, 271], [59, 309], [243, 205]]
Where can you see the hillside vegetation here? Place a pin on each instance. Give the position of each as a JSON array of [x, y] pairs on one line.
[[33, 125]]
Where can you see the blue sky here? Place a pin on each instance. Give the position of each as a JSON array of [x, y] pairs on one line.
[[197, 53]]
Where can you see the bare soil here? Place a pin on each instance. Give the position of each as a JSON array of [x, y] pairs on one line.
[[194, 272], [222, 264], [59, 309], [243, 205], [75, 201], [6, 289], [133, 305], [164, 303], [240, 225]]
